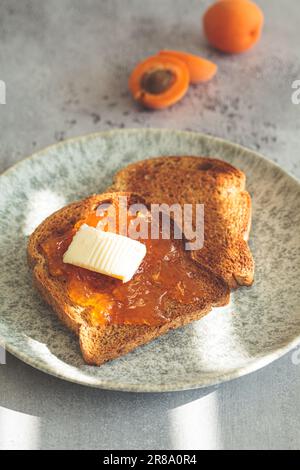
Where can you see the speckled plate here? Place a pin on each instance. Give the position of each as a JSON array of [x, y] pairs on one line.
[[260, 324]]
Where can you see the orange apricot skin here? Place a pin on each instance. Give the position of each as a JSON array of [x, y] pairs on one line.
[[233, 26], [201, 70], [167, 98]]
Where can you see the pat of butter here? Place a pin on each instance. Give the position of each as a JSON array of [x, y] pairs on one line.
[[105, 252]]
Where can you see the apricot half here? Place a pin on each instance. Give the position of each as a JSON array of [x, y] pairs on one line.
[[159, 81], [233, 26], [201, 70]]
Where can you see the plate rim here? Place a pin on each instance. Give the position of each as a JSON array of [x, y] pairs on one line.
[[232, 374], [91, 135]]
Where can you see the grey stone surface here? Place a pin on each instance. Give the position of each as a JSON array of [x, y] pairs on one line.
[[66, 64]]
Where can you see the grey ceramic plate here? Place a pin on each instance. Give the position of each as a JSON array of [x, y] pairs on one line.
[[261, 323]]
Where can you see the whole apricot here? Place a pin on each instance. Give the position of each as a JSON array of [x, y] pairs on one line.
[[233, 26]]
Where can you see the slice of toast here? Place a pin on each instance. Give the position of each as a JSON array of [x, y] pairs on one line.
[[102, 343], [227, 205]]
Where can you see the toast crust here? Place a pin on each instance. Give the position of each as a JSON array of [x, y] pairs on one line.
[[102, 343]]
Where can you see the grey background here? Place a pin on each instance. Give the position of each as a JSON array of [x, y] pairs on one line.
[[66, 65]]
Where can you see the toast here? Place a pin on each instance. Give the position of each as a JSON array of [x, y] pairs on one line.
[[214, 183], [105, 342]]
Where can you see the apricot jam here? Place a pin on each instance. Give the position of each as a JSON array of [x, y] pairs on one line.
[[166, 275]]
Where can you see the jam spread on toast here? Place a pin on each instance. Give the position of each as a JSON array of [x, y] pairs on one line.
[[167, 274]]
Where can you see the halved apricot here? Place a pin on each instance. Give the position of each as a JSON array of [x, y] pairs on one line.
[[201, 70], [159, 81]]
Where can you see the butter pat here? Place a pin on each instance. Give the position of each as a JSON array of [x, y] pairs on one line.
[[105, 252]]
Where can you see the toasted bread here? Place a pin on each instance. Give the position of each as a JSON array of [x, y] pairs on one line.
[[102, 343], [214, 183]]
